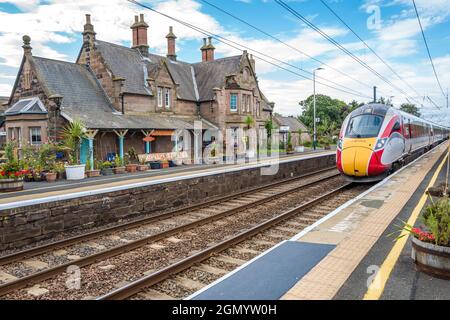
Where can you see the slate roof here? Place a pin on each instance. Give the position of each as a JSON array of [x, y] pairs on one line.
[[293, 123], [85, 99], [26, 106], [195, 81], [213, 74]]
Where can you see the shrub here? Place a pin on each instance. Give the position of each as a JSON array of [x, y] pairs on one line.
[[436, 221]]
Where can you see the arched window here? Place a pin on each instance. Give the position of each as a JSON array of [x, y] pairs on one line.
[[246, 74]]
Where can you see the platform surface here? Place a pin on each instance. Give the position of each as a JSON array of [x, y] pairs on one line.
[[271, 275], [358, 233], [356, 229]]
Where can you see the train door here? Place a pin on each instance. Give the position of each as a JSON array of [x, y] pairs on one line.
[[407, 134]]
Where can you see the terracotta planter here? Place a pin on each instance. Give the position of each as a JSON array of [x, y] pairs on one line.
[[142, 167], [93, 173], [51, 176], [119, 170], [431, 259], [131, 167], [10, 185]]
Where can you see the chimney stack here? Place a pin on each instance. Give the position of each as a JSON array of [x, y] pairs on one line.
[[140, 41], [207, 50], [88, 33], [88, 38], [171, 52], [26, 45]]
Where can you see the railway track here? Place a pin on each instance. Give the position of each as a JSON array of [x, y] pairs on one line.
[[183, 278], [35, 265]]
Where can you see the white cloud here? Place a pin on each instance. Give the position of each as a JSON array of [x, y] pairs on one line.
[[5, 89], [59, 22]]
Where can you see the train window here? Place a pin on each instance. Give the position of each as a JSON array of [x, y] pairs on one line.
[[364, 126]]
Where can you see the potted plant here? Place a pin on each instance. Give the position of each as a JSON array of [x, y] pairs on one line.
[[300, 147], [92, 173], [164, 164], [142, 166], [51, 174], [107, 168], [431, 243], [289, 148], [11, 173], [73, 134], [60, 170], [118, 168]]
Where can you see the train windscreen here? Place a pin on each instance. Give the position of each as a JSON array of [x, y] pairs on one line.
[[364, 126]]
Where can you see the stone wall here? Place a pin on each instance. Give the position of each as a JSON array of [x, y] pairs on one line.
[[21, 226]]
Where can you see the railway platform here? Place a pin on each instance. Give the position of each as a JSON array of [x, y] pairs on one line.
[[41, 191], [348, 254]]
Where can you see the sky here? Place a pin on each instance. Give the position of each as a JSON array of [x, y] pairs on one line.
[[284, 62]]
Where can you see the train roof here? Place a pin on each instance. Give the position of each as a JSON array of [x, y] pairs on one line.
[[382, 109]]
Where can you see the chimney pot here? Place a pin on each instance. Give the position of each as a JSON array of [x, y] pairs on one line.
[[26, 45], [142, 17], [210, 40], [136, 18], [88, 19]]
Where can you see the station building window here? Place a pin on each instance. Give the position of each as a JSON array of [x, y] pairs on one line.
[[167, 98], [233, 102], [160, 97], [35, 136]]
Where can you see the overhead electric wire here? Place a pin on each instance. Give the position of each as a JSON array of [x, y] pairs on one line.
[[337, 44], [286, 44], [368, 47], [237, 47], [428, 49]]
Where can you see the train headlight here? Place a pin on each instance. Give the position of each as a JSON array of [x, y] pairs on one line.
[[380, 143], [339, 145]]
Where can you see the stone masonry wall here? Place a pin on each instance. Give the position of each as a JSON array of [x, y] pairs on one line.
[[21, 226]]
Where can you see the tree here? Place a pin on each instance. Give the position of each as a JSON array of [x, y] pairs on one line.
[[410, 108], [331, 113]]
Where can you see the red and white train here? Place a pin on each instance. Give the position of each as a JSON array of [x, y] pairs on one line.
[[375, 139]]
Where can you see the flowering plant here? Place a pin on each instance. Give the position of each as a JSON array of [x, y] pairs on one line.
[[436, 219], [12, 171]]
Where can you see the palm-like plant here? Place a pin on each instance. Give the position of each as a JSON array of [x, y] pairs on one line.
[[249, 121], [73, 134]]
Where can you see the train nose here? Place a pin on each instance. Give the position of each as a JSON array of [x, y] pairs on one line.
[[356, 157]]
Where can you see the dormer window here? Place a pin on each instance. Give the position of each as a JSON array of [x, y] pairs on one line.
[[160, 97], [167, 98]]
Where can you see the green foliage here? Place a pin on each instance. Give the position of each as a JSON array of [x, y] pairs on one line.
[[10, 153], [249, 121], [436, 218], [331, 113], [289, 142], [73, 134], [269, 126], [132, 155], [107, 164], [410, 108], [118, 162]]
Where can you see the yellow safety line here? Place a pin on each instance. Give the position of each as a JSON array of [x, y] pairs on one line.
[[378, 284]]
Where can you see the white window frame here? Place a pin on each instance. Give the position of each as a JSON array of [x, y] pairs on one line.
[[160, 97], [31, 135], [236, 107], [167, 98]]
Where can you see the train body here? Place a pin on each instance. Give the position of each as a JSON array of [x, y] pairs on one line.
[[375, 139]]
